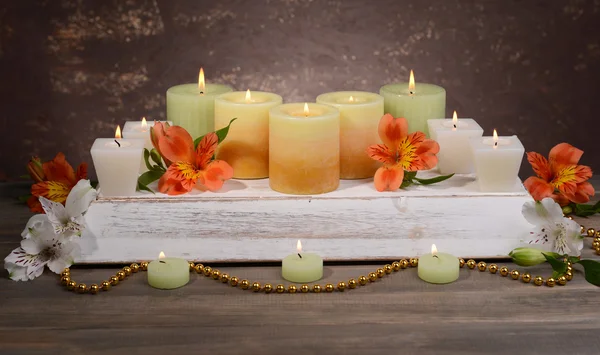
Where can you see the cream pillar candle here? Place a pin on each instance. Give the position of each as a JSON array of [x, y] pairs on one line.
[[140, 130], [360, 113], [417, 102], [191, 106], [453, 137], [246, 148], [438, 268], [302, 267], [117, 164], [497, 162], [168, 273], [304, 148]]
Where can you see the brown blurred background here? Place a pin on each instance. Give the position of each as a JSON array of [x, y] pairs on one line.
[[71, 70]]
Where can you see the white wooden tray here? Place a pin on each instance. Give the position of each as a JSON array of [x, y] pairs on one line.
[[247, 221]]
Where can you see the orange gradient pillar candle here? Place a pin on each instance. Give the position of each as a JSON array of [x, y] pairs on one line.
[[360, 113], [304, 148], [246, 148]]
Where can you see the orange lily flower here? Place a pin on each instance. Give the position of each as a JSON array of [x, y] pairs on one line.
[[54, 180], [560, 177], [400, 152], [189, 167]]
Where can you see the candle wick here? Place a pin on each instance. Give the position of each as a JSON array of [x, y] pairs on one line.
[[119, 144], [201, 92], [411, 92], [162, 262], [300, 255], [495, 144], [454, 126], [435, 256]]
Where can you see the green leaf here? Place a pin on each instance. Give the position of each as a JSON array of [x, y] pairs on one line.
[[157, 158], [433, 180], [149, 177], [583, 210], [142, 187], [221, 133], [409, 175], [592, 271], [146, 157], [405, 183], [557, 265]]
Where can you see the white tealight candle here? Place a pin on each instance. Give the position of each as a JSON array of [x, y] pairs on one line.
[[453, 137], [117, 163], [438, 268], [140, 130], [168, 273], [497, 161], [302, 267]]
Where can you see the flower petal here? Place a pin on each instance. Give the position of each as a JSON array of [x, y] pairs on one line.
[[216, 173], [565, 154], [57, 214], [16, 272], [82, 170], [34, 204], [59, 170], [540, 165], [407, 152], [36, 170], [388, 178], [427, 154], [582, 194], [52, 190], [206, 150], [36, 224], [543, 213], [80, 198], [381, 153], [538, 188], [392, 130], [32, 246], [178, 179], [176, 145]]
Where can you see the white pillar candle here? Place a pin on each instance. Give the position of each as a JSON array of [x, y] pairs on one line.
[[453, 137], [497, 161], [302, 267], [168, 273], [117, 163], [140, 130]]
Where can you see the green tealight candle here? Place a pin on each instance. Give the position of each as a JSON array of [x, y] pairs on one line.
[[168, 273], [417, 102], [438, 268], [302, 267]]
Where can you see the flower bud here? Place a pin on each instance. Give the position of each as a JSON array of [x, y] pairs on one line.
[[567, 210], [35, 169], [529, 256]]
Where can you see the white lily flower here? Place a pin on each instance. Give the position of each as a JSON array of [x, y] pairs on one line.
[[69, 218], [553, 231]]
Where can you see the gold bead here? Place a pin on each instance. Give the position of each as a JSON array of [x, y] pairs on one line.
[[317, 288], [504, 271], [66, 270], [134, 267], [569, 276], [372, 276], [570, 217], [388, 269], [192, 266], [341, 286], [121, 275], [526, 277], [591, 232], [304, 288], [207, 271], [292, 288], [362, 280], [199, 268], [481, 266], [595, 245], [493, 268], [255, 286], [329, 287], [280, 288], [81, 288], [598, 251], [245, 284], [234, 281], [515, 274], [94, 289], [105, 285], [380, 272], [597, 239], [538, 281], [597, 234], [352, 283], [396, 266], [268, 288], [414, 262], [71, 285], [216, 274], [127, 270], [569, 268], [550, 282], [144, 266], [582, 230], [65, 273], [461, 262], [404, 263], [471, 264], [224, 278], [562, 280], [114, 280], [65, 280]]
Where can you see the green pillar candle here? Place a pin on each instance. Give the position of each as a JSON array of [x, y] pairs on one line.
[[168, 273], [438, 268], [302, 267], [417, 102], [192, 106]]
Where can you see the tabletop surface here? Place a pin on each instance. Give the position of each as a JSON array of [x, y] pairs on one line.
[[481, 313]]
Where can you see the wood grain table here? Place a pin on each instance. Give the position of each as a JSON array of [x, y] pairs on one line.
[[481, 313]]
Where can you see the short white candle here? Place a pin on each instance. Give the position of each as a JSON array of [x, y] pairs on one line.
[[453, 137], [168, 273], [117, 163], [497, 161], [140, 130], [302, 267], [438, 268]]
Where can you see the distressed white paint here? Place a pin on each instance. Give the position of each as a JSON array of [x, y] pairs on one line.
[[247, 221]]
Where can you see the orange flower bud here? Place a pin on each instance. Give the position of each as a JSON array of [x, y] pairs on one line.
[[35, 169]]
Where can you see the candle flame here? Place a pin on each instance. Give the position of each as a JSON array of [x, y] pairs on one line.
[[201, 83], [144, 123], [118, 132], [495, 139], [248, 96], [433, 249], [161, 255], [351, 99], [306, 112], [454, 120], [411, 82], [299, 246]]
